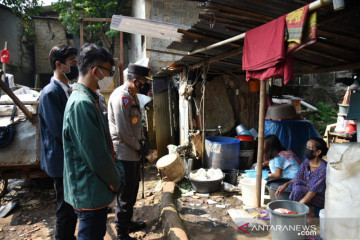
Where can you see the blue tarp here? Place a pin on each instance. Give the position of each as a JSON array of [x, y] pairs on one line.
[[293, 134]]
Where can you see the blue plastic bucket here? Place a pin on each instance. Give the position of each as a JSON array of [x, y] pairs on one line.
[[222, 152]]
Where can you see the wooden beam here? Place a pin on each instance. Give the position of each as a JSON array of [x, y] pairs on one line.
[[189, 56], [226, 21], [238, 16], [217, 58], [323, 55], [16, 100], [350, 66], [260, 17], [199, 36], [23, 102], [97, 19]]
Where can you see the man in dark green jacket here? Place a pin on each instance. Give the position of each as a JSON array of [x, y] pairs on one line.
[[92, 173]]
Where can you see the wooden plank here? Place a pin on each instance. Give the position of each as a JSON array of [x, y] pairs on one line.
[[162, 123], [259, 17], [219, 57], [97, 19], [147, 27], [199, 36], [350, 66], [227, 21]]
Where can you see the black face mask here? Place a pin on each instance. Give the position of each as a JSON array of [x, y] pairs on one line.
[[144, 88], [73, 73], [309, 154]]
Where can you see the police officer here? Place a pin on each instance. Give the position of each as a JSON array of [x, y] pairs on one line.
[[126, 132]]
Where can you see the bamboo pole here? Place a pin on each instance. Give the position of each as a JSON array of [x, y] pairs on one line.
[[313, 6], [260, 142]]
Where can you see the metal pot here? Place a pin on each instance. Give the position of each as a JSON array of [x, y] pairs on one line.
[[240, 128]]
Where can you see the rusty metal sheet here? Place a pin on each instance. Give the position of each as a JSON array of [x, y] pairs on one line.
[[25, 148]]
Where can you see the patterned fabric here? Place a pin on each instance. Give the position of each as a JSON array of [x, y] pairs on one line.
[[310, 181], [287, 162]]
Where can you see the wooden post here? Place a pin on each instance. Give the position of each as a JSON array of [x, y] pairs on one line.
[[4, 66], [121, 58], [260, 142], [81, 31], [16, 100], [203, 128]]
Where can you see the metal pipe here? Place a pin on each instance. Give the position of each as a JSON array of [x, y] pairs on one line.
[[313, 6]]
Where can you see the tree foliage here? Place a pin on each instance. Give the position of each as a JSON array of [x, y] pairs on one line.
[[26, 10], [96, 32]]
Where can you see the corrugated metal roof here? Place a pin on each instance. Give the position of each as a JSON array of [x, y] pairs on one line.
[[337, 48]]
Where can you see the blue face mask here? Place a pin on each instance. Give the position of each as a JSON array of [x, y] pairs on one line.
[[309, 154]]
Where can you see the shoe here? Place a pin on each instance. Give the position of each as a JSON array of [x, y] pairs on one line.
[[124, 236], [136, 226]]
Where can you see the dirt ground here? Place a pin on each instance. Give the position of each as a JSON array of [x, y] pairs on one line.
[[204, 217], [34, 217]]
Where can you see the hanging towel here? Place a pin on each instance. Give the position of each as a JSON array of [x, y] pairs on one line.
[[300, 29], [264, 53], [264, 46]]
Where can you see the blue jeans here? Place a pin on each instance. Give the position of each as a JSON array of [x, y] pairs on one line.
[[92, 224]]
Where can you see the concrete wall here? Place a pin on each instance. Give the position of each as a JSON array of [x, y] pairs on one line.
[[137, 45], [172, 11], [21, 54], [320, 87]]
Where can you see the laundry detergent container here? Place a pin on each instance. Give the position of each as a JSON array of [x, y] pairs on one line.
[[222, 152]]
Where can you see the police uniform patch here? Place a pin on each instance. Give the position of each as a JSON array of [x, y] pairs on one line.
[[134, 120], [125, 101]]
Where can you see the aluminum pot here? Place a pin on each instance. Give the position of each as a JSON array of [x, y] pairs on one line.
[[240, 128]]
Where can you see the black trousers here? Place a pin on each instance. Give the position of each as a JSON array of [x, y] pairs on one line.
[[126, 200], [66, 218]]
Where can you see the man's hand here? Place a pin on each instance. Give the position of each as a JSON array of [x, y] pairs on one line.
[[144, 147]]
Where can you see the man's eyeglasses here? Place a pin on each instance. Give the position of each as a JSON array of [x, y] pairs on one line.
[[111, 72]]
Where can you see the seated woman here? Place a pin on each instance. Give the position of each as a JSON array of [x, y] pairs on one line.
[[309, 185], [282, 162]]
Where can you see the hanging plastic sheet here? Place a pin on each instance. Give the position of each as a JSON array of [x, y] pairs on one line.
[[293, 134]]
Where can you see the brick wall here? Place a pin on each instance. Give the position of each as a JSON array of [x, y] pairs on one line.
[[21, 54], [49, 32], [171, 11]]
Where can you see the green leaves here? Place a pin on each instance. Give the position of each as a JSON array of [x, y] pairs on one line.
[[70, 12], [326, 115], [26, 10]]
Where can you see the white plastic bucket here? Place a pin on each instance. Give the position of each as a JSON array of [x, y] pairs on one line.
[[322, 223], [248, 188]]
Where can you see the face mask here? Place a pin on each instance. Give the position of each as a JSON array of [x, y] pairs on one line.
[[73, 73], [144, 88], [309, 154], [105, 82]]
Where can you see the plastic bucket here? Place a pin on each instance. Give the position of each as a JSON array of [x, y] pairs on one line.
[[273, 185], [248, 189], [287, 226], [170, 164], [246, 157], [222, 152], [322, 223], [231, 176]]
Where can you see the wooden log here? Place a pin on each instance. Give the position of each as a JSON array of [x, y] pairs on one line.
[[16, 100]]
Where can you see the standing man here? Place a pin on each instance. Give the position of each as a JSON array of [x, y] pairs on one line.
[[63, 60], [126, 132], [92, 172]]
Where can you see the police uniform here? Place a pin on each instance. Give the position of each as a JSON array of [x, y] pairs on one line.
[[126, 130]]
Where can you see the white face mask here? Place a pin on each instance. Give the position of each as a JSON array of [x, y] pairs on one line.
[[105, 82]]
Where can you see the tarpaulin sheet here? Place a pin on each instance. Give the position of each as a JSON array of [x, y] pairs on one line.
[[293, 134]]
